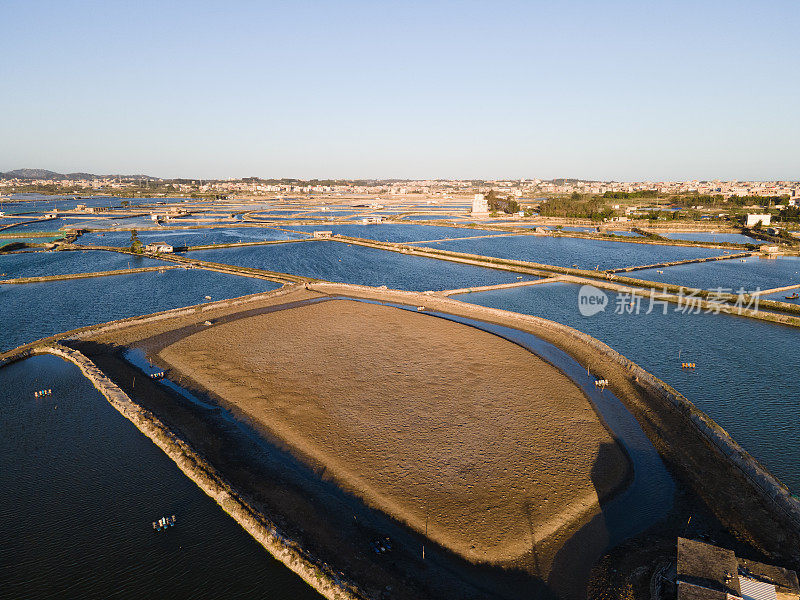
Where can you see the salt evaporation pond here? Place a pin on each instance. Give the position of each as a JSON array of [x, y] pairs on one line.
[[567, 251], [732, 274], [745, 368], [38, 202], [36, 310], [79, 491], [340, 262], [28, 240], [38, 264], [191, 237], [701, 236], [397, 232], [39, 226]]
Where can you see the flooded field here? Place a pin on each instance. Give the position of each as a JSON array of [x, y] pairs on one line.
[[567, 251], [35, 310], [335, 261], [79, 491]]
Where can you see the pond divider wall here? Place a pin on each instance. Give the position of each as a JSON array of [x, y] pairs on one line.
[[68, 276]]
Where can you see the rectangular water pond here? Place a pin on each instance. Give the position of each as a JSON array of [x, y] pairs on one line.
[[341, 262], [35, 310], [188, 237], [396, 232], [749, 274], [567, 251], [39, 264]]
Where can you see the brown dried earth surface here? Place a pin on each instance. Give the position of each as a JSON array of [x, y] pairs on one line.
[[447, 428]]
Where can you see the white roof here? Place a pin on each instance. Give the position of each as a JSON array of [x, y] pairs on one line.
[[756, 590]]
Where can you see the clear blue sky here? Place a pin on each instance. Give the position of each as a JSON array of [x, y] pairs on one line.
[[606, 90]]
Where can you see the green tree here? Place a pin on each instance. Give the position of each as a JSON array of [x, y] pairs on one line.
[[790, 213], [136, 243], [497, 203]]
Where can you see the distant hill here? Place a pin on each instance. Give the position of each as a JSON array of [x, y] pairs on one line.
[[32, 174], [52, 175]]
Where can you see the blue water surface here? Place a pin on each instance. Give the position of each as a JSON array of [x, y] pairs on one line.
[[745, 377], [732, 274], [567, 251], [34, 310], [340, 262]]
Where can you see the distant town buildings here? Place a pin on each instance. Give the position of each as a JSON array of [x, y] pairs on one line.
[[427, 189]]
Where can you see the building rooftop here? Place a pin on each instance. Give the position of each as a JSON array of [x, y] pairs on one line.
[[708, 566], [707, 572]]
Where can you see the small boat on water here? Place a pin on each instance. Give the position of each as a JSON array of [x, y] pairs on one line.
[[794, 296], [163, 523]]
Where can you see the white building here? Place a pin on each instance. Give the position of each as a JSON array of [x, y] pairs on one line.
[[753, 220], [159, 247], [480, 206]]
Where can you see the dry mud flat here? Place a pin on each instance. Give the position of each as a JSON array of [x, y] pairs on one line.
[[436, 423]]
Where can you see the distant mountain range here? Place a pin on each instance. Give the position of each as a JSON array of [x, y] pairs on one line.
[[52, 175]]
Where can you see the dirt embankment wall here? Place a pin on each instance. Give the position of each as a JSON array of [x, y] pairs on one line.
[[67, 276]]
